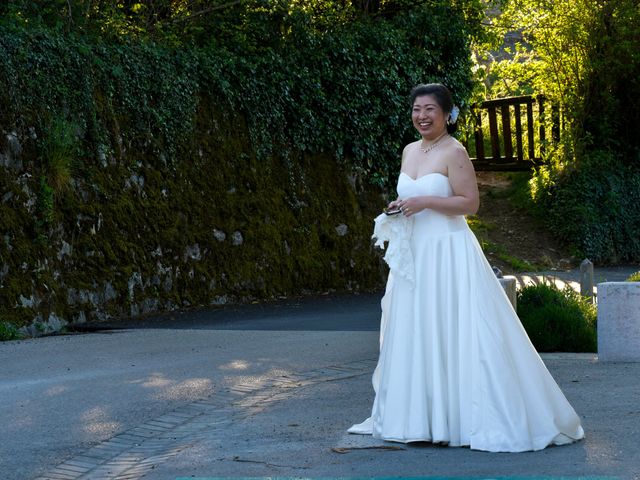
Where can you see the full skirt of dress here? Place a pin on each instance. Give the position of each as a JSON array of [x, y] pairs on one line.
[[456, 366]]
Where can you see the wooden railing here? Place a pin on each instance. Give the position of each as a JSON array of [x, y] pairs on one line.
[[515, 142]]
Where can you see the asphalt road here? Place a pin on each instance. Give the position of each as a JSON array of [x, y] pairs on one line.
[[261, 390], [337, 312]]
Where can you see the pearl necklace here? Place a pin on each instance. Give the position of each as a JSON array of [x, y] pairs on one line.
[[434, 144]]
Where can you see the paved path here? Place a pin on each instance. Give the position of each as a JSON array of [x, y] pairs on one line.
[[262, 390]]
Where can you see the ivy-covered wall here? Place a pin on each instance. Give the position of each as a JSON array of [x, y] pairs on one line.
[[137, 178]]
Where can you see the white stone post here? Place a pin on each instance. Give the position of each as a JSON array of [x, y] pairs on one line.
[[508, 283], [619, 322]]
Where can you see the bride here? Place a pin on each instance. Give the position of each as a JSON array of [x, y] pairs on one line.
[[456, 366]]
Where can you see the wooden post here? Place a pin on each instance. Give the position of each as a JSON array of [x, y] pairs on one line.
[[530, 136], [506, 131], [516, 112], [541, 120], [493, 129], [555, 122], [478, 136]]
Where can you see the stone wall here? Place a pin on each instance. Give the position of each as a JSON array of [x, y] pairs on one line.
[[130, 235], [138, 177]]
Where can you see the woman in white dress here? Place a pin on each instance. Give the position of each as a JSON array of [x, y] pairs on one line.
[[456, 366]]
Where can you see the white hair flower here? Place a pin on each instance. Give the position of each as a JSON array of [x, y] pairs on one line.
[[453, 116]]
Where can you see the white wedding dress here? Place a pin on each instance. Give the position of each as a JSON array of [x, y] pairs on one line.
[[456, 366]]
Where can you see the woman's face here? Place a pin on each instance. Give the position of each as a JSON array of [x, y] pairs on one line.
[[428, 117]]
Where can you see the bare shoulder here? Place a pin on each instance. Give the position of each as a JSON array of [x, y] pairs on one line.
[[409, 150], [409, 147], [458, 158]]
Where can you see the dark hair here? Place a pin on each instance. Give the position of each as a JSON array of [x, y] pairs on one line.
[[442, 96]]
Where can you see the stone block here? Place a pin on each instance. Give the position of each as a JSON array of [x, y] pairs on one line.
[[508, 283], [619, 322]]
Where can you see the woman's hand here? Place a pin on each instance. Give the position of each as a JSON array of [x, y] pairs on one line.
[[410, 206], [394, 205]]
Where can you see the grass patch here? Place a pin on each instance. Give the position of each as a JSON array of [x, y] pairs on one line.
[[479, 226], [557, 320], [517, 264]]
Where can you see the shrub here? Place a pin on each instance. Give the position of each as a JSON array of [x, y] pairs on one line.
[[557, 320], [593, 205], [8, 332], [634, 277]]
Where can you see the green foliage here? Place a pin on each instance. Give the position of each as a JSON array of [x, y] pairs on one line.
[[239, 25], [45, 210], [178, 137], [594, 206], [634, 277], [517, 264], [610, 108], [583, 54], [9, 332], [520, 74], [342, 90], [58, 151], [552, 54], [557, 320]]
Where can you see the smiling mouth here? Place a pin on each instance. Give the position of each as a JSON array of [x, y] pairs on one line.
[[424, 124]]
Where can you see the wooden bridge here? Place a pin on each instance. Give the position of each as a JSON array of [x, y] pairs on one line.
[[513, 130]]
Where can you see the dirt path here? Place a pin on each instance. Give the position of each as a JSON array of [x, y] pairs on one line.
[[511, 236]]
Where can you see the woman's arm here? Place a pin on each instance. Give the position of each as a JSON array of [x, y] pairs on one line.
[[462, 178]]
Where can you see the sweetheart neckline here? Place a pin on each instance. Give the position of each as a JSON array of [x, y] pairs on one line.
[[422, 176]]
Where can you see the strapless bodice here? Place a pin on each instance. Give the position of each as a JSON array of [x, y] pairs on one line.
[[427, 221], [434, 183]]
